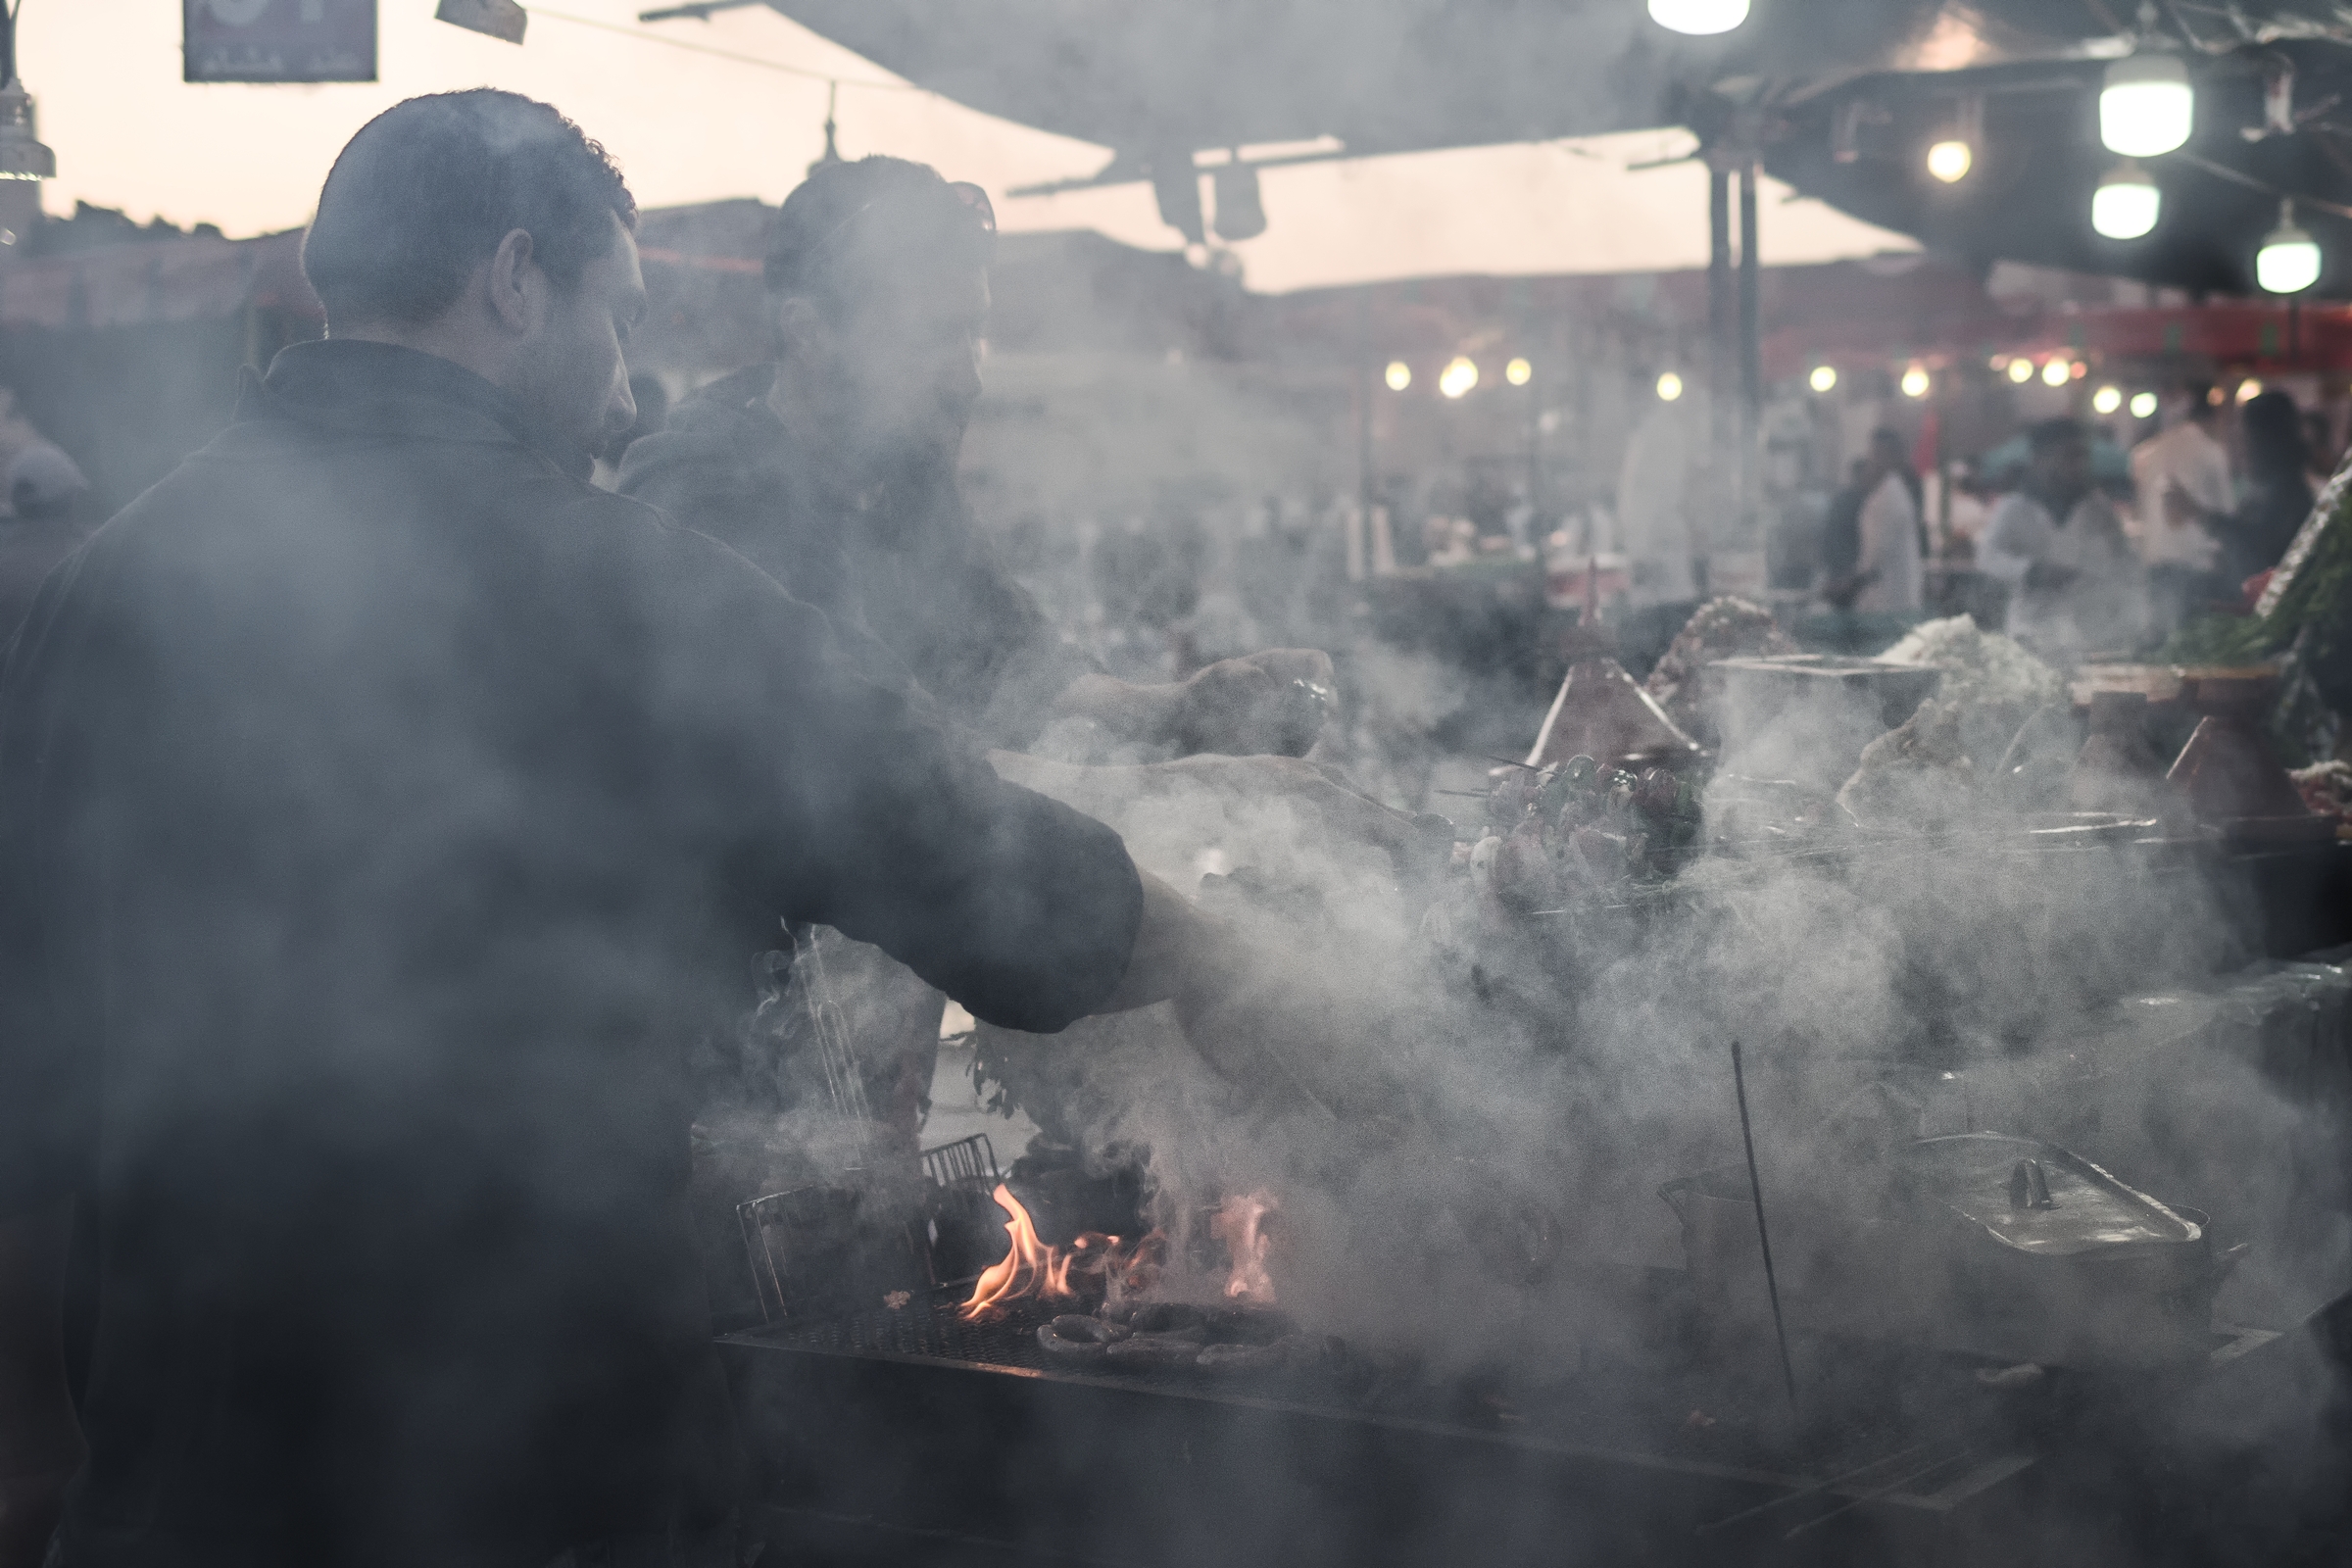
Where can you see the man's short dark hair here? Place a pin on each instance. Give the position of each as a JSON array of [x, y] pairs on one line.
[[2202, 403], [813, 253], [2053, 436], [427, 189]]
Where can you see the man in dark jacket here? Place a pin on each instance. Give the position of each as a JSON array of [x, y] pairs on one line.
[[834, 470], [383, 805]]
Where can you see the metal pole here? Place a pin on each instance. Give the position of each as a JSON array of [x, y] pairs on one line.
[[1718, 295], [1755, 1188], [1751, 349], [1367, 381]]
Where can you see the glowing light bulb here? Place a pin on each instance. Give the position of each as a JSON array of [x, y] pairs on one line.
[[2021, 370], [1399, 375], [1518, 373], [1950, 161], [2148, 107], [1823, 378], [2126, 203], [2107, 399], [1670, 387], [2288, 262], [1457, 378], [2057, 372], [2143, 405], [1915, 383], [1699, 19], [2248, 390]]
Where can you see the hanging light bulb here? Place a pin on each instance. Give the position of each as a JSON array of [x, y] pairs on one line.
[[1457, 378], [1399, 375], [2126, 203], [2143, 405], [1915, 383], [1670, 387], [2021, 370], [1701, 19], [2146, 107], [2288, 262], [1824, 379], [1519, 373], [1950, 161], [2107, 399], [2057, 372]]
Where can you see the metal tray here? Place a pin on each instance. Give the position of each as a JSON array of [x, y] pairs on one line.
[[1981, 1243]]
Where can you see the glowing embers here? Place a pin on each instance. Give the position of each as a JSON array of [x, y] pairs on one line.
[[1093, 1265]]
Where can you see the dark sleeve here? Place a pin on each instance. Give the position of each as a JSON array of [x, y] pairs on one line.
[[50, 1060], [844, 802]]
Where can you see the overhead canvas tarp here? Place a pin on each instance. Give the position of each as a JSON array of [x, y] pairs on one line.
[[720, 119]]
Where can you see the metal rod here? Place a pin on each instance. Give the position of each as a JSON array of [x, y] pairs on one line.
[[1720, 326], [1876, 1493], [1811, 1489], [1755, 1187], [1751, 354], [1751, 316]]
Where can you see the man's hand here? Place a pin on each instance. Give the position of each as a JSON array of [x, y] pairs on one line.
[[1267, 704]]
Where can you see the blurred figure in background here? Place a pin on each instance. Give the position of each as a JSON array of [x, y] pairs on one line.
[[2277, 496], [1661, 489], [2179, 550], [2324, 451], [41, 520], [1841, 528], [2074, 586], [1887, 572]]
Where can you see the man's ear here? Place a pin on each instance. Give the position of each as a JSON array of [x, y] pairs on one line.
[[517, 286], [801, 330]]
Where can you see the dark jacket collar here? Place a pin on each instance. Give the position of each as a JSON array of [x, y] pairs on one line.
[[361, 388]]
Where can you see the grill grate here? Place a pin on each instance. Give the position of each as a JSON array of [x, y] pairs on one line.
[[930, 1327]]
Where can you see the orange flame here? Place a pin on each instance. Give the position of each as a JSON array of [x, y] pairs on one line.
[[1245, 1225], [1034, 1268]]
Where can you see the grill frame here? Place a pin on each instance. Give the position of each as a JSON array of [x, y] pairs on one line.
[[972, 1434]]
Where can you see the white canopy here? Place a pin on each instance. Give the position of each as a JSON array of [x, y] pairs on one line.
[[735, 106]]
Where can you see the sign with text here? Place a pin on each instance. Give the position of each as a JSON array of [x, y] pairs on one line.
[[277, 41]]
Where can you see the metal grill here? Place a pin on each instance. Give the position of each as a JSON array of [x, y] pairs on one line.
[[967, 1161], [930, 1327]]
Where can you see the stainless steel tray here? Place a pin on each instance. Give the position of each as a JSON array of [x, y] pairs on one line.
[[1981, 1243]]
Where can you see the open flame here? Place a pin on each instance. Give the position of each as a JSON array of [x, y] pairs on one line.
[[1244, 1224], [1093, 1264]]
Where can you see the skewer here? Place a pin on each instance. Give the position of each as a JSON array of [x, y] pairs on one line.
[[1755, 1187], [1511, 761], [1876, 1493], [1811, 1489]]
